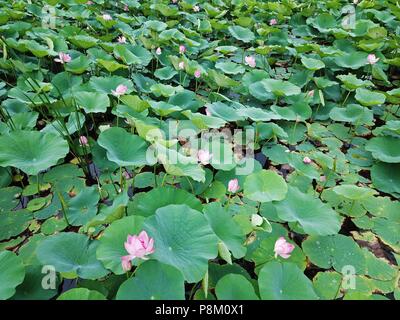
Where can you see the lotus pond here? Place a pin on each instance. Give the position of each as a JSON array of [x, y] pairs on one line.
[[199, 149]]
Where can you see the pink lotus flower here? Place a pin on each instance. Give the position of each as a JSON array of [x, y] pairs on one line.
[[273, 22], [181, 65], [307, 160], [182, 49], [310, 93], [283, 248], [250, 61], [138, 247], [126, 8], [120, 90], [63, 58], [197, 73], [372, 59], [106, 17], [121, 39], [196, 8], [83, 141], [158, 51], [204, 157], [233, 185], [89, 3], [208, 113]]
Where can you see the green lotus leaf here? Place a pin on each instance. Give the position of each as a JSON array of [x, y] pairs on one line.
[[386, 177], [133, 54], [12, 273], [352, 60], [280, 87], [312, 64], [9, 198], [81, 294], [111, 248], [353, 192], [183, 239], [73, 253], [83, 207], [145, 204], [32, 289], [165, 73], [385, 149], [153, 281], [111, 213], [93, 101], [229, 67], [242, 34], [108, 84], [265, 186], [13, 223], [83, 41], [123, 148], [284, 281], [31, 151], [369, 98], [352, 113], [327, 284], [314, 216], [337, 251], [162, 108], [78, 65], [235, 287], [226, 229], [351, 82]]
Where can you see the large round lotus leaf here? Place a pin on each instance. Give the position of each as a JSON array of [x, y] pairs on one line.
[[352, 113], [81, 294], [12, 273], [183, 239], [240, 33], [73, 253], [111, 247], [83, 207], [31, 151], [353, 60], [284, 281], [353, 192], [123, 148], [146, 204], [351, 82], [153, 281], [280, 87], [108, 84], [229, 67], [111, 213], [235, 287], [327, 284], [263, 252], [337, 251], [386, 177], [133, 54], [32, 288], [225, 228], [9, 198], [93, 101], [312, 64], [265, 186], [369, 98], [314, 216], [13, 223], [386, 149]]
